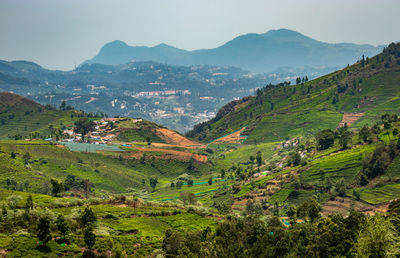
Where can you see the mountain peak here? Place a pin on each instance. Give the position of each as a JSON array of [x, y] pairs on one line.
[[116, 44], [254, 52], [282, 31]]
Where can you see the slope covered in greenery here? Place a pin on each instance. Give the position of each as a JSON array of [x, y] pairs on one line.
[[304, 189], [370, 87], [21, 117]]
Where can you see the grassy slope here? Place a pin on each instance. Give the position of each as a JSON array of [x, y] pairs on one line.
[[21, 116], [138, 131], [107, 172], [137, 230], [335, 164], [307, 108]]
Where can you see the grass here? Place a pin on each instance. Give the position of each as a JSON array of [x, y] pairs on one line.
[[247, 188], [26, 120], [344, 164], [242, 153], [139, 131], [108, 173], [381, 194]]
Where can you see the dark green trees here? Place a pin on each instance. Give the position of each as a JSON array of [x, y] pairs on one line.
[[153, 182], [191, 164], [325, 139], [89, 237], [223, 173], [84, 126], [294, 159], [29, 203], [259, 158], [87, 217], [345, 139], [57, 187], [43, 230], [364, 134], [62, 226]]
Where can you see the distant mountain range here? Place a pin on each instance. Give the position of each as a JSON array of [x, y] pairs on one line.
[[259, 53]]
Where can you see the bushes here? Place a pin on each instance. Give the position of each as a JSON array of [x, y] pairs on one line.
[[325, 139], [364, 134], [376, 164], [294, 159]]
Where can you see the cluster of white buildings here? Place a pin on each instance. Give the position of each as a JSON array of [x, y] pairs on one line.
[[102, 134]]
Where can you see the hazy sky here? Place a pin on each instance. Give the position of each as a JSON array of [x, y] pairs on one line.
[[60, 34]]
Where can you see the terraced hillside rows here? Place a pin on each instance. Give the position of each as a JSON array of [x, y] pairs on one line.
[[369, 87], [20, 116]]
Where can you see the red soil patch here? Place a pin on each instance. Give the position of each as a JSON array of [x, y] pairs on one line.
[[169, 154], [240, 204], [234, 138], [350, 118], [166, 145], [3, 252], [342, 206], [175, 138]]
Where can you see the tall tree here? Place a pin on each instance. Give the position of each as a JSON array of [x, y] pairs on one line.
[[89, 237], [259, 158], [153, 182], [325, 139], [83, 126], [43, 230], [87, 217], [62, 226], [57, 187]]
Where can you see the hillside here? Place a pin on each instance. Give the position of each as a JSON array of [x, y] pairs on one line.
[[149, 188], [258, 53], [124, 150], [357, 95], [21, 117]]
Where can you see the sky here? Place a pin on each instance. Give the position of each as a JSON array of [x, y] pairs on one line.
[[61, 34]]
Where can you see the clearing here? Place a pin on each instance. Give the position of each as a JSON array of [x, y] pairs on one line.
[[350, 118], [234, 138], [175, 138]]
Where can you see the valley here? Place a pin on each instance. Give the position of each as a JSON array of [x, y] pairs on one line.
[[309, 168]]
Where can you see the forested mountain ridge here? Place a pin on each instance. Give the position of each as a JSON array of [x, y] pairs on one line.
[[260, 53], [360, 92]]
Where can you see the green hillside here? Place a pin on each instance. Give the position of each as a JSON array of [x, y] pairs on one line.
[[22, 118], [371, 87]]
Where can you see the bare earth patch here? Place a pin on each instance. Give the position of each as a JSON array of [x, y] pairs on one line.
[[350, 118], [175, 138], [235, 138], [342, 206]]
